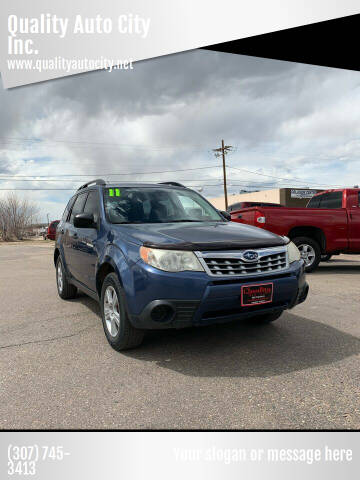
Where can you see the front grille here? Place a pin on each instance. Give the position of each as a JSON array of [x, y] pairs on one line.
[[232, 263]]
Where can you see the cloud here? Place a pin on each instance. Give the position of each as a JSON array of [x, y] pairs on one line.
[[295, 122]]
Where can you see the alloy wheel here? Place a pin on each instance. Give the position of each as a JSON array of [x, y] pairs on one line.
[[60, 280], [111, 311], [307, 254]]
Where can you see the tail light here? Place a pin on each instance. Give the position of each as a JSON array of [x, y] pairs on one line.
[[259, 217]]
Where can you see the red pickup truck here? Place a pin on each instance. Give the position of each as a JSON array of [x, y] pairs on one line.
[[329, 225], [51, 230]]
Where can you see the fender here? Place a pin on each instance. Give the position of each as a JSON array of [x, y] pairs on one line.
[[114, 256], [59, 252]]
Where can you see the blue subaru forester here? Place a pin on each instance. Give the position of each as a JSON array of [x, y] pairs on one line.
[[161, 256]]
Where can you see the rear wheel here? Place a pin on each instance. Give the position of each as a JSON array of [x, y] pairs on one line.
[[310, 252], [117, 327], [268, 318], [65, 289]]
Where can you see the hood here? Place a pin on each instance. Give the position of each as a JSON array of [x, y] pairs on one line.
[[201, 236]]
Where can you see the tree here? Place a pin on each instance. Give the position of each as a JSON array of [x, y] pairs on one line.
[[16, 214]]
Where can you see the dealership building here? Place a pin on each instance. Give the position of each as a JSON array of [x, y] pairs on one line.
[[289, 197]]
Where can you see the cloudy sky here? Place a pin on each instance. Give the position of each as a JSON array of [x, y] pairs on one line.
[[290, 125]]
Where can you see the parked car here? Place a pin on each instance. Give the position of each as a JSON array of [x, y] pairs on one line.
[[51, 231], [161, 256], [239, 205], [329, 225]]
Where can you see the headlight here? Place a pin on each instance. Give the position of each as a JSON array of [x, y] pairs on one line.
[[170, 260], [293, 252]]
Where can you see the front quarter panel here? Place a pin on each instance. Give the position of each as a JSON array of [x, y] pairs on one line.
[[121, 263]]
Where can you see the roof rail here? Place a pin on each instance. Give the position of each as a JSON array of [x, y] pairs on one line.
[[98, 181], [174, 184]]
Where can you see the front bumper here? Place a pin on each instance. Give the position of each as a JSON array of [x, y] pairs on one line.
[[167, 300]]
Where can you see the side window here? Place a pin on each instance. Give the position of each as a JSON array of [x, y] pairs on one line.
[[92, 204], [78, 206], [314, 202], [331, 200], [67, 210], [234, 206]]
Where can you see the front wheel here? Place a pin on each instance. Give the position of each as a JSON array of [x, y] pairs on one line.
[[117, 327], [310, 252]]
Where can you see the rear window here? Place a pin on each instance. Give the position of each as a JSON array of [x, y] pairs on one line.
[[326, 200], [331, 200], [314, 202], [239, 205], [235, 206]]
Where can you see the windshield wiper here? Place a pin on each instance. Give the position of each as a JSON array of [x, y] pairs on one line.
[[183, 220]]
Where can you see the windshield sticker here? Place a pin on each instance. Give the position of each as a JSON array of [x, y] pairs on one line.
[[114, 192]]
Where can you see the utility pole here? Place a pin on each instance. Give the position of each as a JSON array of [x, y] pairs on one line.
[[222, 151]]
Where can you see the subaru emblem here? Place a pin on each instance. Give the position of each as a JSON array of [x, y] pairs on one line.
[[250, 256]]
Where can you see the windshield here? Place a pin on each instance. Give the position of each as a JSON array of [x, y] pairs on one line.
[[157, 205]]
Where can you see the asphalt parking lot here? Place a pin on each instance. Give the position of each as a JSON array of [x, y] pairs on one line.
[[57, 370]]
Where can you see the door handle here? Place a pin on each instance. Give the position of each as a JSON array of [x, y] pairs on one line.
[[239, 216]]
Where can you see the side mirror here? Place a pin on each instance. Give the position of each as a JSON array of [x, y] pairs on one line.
[[84, 220], [226, 215]]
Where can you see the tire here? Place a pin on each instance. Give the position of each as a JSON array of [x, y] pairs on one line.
[[308, 246], [117, 327], [325, 258], [268, 318], [65, 289]]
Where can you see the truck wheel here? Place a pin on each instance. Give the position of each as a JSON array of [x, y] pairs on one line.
[[310, 252], [325, 258], [65, 289], [268, 318], [117, 327]]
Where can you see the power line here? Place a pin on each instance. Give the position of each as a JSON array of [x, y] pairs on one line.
[[296, 179], [190, 186], [37, 141], [75, 188], [113, 174], [236, 182], [77, 181]]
